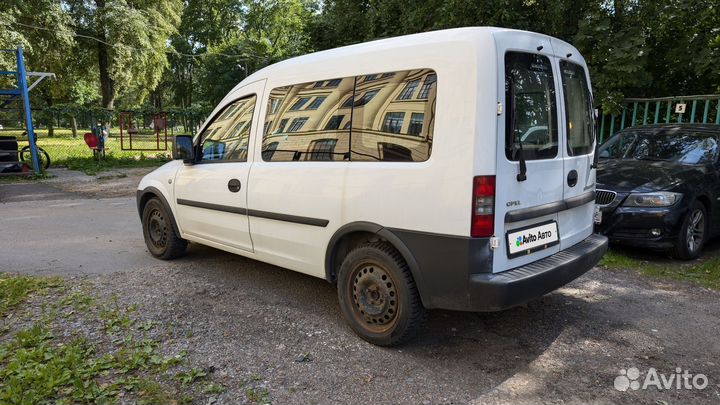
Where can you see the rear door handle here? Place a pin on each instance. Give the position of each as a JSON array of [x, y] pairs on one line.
[[234, 185]]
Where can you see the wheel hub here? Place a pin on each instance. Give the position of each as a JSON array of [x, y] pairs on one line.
[[157, 229], [374, 295], [695, 230]]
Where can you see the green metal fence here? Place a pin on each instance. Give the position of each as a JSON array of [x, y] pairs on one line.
[[645, 111]]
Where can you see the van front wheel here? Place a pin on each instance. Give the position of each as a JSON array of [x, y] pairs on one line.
[[378, 295], [160, 237]]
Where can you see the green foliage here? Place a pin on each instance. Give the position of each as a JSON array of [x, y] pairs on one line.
[[190, 376], [258, 395], [706, 272], [90, 165], [40, 366], [15, 289], [173, 54]]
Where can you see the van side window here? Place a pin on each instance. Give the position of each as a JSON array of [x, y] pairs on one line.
[[580, 122], [308, 122], [226, 138], [531, 114], [396, 122]]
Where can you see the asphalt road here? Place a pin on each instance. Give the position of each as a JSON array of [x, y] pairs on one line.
[[61, 233], [250, 321]]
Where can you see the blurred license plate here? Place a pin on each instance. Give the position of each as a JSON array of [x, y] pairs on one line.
[[533, 238], [597, 216]]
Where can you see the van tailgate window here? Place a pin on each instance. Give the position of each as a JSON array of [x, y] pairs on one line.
[[532, 114], [578, 109]]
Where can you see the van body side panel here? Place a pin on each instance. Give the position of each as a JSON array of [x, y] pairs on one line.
[[433, 195], [312, 191]]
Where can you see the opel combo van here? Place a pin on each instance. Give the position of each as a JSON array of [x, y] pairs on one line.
[[451, 169]]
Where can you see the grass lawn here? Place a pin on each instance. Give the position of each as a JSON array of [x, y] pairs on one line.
[[73, 153], [705, 271]]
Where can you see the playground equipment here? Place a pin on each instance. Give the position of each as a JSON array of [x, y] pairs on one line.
[[135, 135], [21, 93]]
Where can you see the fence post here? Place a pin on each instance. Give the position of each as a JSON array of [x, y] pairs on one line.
[[706, 111], [657, 112], [692, 114]]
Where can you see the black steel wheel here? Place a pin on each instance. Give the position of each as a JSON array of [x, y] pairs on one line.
[[693, 233], [160, 237], [378, 296]]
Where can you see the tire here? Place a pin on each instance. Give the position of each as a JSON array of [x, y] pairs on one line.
[[378, 295], [160, 237], [26, 155], [693, 233]]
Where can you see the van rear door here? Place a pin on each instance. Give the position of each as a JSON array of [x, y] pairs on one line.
[[526, 214], [578, 133]]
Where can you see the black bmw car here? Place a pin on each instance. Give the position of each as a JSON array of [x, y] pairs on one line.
[[658, 186]]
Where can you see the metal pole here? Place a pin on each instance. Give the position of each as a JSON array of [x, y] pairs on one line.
[[22, 86]]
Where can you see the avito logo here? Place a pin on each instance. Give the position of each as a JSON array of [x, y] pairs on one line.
[[532, 237]]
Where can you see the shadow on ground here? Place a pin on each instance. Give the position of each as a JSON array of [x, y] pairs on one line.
[[247, 318]]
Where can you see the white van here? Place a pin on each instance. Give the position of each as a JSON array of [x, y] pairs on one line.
[[451, 169]]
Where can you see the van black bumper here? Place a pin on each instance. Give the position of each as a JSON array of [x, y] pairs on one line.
[[456, 273], [497, 291]]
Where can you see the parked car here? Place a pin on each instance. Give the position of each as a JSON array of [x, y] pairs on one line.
[[658, 186], [396, 170]]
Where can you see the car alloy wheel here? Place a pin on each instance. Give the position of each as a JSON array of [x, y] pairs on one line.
[[695, 231]]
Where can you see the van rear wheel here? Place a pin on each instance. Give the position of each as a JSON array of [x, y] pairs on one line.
[[378, 296]]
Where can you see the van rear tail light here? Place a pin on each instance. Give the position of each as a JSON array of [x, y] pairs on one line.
[[483, 207]]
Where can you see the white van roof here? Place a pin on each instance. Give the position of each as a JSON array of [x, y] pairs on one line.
[[382, 52]]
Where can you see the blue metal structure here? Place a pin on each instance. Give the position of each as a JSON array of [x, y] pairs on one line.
[[22, 94], [645, 111]]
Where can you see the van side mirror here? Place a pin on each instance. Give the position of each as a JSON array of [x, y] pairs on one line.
[[183, 149]]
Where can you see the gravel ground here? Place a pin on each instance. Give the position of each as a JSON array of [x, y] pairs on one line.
[[283, 331], [274, 335], [108, 184]]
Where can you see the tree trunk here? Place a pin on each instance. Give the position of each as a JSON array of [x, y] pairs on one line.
[[51, 120], [107, 84], [73, 125]]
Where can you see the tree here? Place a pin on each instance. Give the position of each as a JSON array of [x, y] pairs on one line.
[[266, 31], [131, 43]]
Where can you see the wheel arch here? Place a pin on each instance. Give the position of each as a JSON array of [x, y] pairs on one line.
[[352, 234], [705, 201], [145, 195]]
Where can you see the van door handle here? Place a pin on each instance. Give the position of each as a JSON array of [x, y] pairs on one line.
[[572, 178], [234, 185]]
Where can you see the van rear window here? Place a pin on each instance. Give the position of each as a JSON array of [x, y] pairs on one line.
[[579, 113], [531, 118]]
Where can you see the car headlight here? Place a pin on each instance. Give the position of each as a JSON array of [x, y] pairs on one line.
[[659, 199]]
